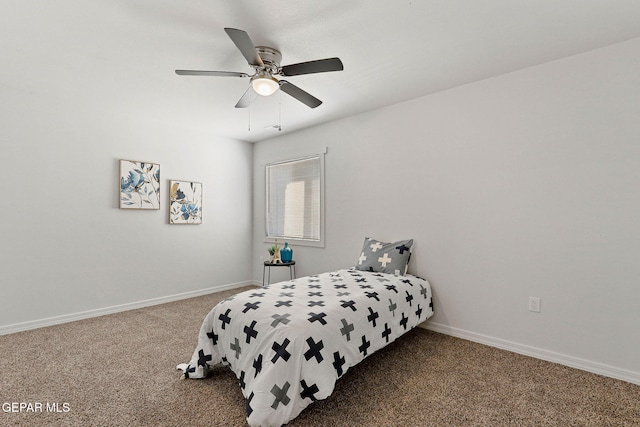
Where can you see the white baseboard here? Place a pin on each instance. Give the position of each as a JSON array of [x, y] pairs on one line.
[[538, 353], [50, 321]]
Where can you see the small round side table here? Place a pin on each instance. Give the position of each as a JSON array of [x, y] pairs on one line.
[[269, 264]]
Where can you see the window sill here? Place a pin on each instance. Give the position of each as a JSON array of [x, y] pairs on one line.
[[295, 242]]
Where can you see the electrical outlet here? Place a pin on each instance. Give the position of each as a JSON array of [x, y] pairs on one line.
[[534, 304]]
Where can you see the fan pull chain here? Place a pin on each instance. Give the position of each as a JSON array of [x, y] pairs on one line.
[[280, 112], [249, 124]]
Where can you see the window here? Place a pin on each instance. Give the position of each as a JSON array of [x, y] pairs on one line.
[[294, 200]]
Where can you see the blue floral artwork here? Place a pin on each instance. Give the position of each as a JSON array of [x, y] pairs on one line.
[[139, 185], [185, 202]]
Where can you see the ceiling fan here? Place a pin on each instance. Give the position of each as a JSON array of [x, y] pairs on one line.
[[265, 62]]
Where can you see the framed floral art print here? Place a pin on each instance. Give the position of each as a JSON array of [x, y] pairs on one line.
[[139, 185], [185, 202]]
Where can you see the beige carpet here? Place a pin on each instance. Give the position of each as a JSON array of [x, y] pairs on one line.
[[119, 370]]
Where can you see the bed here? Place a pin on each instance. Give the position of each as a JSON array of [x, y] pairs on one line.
[[288, 343]]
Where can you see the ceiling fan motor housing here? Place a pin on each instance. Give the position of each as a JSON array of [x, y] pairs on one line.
[[271, 58]]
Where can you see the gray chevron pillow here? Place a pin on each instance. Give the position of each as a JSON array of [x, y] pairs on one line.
[[384, 257]]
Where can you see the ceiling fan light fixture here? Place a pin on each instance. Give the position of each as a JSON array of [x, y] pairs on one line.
[[264, 84]]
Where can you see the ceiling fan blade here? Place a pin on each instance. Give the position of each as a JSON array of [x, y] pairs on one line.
[[247, 98], [245, 45], [299, 94], [310, 67], [211, 73]]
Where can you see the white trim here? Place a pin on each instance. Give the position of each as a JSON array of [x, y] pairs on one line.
[[538, 353], [65, 318]]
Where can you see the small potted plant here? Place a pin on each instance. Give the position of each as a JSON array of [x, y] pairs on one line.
[[275, 253]]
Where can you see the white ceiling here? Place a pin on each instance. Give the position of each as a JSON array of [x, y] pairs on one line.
[[392, 51]]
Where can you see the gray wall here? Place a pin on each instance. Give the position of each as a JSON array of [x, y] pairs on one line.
[[516, 186], [70, 108]]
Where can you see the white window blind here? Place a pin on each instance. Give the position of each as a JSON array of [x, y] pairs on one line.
[[294, 199]]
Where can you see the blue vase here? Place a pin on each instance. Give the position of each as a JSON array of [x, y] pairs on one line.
[[286, 253]]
